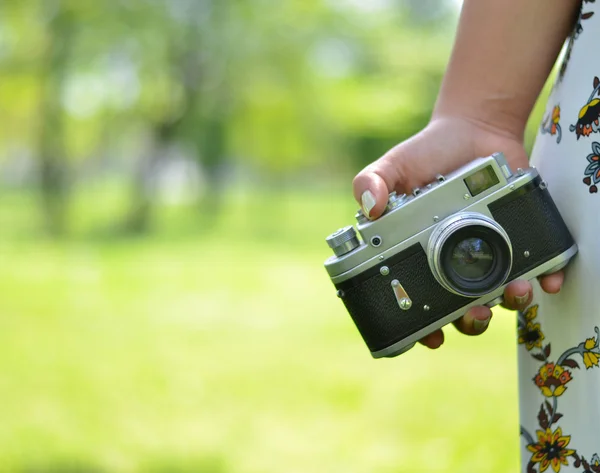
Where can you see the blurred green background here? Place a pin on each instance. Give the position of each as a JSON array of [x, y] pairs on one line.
[[168, 172]]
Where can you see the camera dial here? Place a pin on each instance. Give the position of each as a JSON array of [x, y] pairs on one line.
[[470, 254], [395, 201], [343, 241]]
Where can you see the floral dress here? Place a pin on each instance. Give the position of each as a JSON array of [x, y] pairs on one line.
[[558, 335]]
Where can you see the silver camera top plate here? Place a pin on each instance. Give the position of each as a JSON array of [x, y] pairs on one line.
[[411, 218]]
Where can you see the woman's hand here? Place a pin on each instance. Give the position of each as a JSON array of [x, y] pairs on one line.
[[445, 145]]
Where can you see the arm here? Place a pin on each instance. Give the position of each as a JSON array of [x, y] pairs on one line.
[[503, 54]]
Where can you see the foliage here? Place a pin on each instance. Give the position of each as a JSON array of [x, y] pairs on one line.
[[291, 78], [269, 92]]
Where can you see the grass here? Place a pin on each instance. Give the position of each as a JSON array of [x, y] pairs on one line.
[[223, 349]]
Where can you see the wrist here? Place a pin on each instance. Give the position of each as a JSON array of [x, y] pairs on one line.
[[485, 119], [474, 138]]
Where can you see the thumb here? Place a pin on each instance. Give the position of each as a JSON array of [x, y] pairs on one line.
[[374, 183], [371, 191]]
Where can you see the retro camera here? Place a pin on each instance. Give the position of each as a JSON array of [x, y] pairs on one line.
[[451, 245]]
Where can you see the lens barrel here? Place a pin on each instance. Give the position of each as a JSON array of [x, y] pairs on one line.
[[470, 254]]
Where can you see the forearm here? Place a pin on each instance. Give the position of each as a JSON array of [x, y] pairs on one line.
[[503, 54]]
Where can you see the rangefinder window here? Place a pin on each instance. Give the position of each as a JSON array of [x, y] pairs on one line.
[[481, 180]]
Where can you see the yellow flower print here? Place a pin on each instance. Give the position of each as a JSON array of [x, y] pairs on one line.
[[550, 449], [590, 358], [551, 124], [531, 333], [552, 380], [531, 312], [556, 114]]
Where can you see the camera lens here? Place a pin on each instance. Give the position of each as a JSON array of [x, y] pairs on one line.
[[470, 254], [472, 259]]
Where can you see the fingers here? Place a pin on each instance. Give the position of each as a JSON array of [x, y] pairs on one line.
[[371, 191], [475, 321], [553, 282], [373, 184], [433, 340], [518, 295]]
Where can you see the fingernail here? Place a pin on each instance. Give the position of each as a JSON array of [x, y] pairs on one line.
[[368, 202], [480, 325], [522, 299]]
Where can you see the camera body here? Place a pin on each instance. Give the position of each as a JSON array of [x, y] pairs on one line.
[[449, 246]]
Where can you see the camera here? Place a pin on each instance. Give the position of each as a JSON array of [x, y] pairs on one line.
[[446, 247]]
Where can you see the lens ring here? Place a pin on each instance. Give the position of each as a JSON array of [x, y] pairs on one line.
[[495, 273], [461, 227]]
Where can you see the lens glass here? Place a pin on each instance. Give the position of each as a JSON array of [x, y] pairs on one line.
[[475, 260], [472, 259]]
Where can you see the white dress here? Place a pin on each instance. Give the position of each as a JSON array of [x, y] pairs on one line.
[[559, 354]]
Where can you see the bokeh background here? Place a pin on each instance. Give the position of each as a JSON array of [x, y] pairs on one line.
[[169, 170]]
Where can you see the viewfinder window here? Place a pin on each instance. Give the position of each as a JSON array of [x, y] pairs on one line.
[[481, 180]]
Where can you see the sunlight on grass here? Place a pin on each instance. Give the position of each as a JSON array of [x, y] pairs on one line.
[[229, 352]]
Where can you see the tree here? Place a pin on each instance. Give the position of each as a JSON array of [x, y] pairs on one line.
[[53, 164]]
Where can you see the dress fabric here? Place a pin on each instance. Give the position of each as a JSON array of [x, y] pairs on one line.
[[558, 335]]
